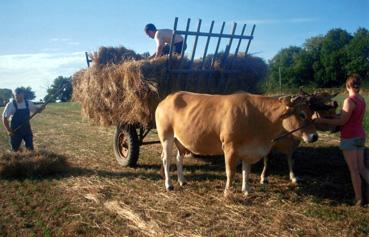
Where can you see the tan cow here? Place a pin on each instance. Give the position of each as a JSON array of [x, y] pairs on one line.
[[241, 126], [322, 105]]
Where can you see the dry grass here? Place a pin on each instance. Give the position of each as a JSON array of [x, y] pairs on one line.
[[96, 197]]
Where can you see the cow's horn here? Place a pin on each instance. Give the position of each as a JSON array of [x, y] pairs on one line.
[[302, 92]]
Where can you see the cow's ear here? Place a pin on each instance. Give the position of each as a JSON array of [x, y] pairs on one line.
[[285, 100], [286, 103], [296, 100], [287, 112], [333, 95], [302, 92]]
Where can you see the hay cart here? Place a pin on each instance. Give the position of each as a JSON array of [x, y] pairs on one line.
[[129, 137]]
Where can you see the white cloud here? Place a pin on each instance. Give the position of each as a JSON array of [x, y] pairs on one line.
[[64, 41], [38, 70], [74, 43], [278, 21], [59, 39]]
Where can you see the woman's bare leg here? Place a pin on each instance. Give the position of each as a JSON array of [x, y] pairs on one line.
[[351, 160], [364, 172]]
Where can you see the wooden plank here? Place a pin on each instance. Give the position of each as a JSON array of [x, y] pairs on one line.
[[185, 38], [214, 34], [195, 43], [217, 48], [172, 40], [248, 44], [207, 45]]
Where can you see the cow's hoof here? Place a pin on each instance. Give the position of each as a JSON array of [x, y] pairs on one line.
[[170, 188], [228, 194], [162, 174], [183, 183], [295, 181], [246, 194], [264, 181]]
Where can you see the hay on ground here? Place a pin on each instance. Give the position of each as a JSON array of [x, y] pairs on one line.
[[127, 89], [32, 164]]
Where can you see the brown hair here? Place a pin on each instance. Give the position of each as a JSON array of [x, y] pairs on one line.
[[354, 81]]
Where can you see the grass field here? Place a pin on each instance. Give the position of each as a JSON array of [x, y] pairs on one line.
[[97, 197]]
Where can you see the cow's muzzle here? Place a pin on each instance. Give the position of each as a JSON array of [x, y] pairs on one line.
[[312, 137]]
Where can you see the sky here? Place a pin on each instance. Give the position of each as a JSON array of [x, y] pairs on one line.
[[41, 40]]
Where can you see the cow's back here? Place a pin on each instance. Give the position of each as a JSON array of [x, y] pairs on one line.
[[203, 122], [193, 119]]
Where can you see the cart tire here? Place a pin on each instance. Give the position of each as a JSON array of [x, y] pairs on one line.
[[126, 145]]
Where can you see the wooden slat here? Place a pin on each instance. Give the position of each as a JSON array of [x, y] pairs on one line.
[[195, 43], [207, 45], [217, 48], [248, 44]]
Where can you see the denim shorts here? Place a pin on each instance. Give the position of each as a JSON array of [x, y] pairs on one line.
[[357, 143]]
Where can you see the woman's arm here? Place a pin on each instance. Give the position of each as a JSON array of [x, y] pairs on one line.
[[347, 108]]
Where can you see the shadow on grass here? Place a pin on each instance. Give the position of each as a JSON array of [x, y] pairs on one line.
[[48, 165], [323, 172]]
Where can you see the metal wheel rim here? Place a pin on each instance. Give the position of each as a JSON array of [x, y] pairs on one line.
[[123, 145]]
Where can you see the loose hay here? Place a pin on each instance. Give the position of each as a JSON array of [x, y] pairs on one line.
[[106, 55], [32, 164], [147, 228], [121, 87]]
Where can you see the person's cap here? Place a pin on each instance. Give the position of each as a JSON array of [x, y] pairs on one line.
[[150, 27], [18, 91]]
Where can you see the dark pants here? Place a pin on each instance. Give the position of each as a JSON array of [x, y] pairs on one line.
[[16, 140], [177, 48]]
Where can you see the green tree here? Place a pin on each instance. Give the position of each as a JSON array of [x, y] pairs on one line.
[[323, 61], [5, 95], [303, 69], [61, 89], [333, 58], [285, 60], [357, 53], [313, 47]]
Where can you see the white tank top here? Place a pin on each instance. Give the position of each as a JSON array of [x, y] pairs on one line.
[[164, 36]]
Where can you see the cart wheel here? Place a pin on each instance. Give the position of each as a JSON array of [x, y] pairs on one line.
[[126, 146]]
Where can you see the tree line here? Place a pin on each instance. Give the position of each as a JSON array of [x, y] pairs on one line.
[[323, 61]]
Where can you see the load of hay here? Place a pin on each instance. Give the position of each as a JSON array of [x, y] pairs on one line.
[[123, 87]]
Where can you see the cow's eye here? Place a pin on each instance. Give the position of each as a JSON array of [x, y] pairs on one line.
[[302, 115]]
